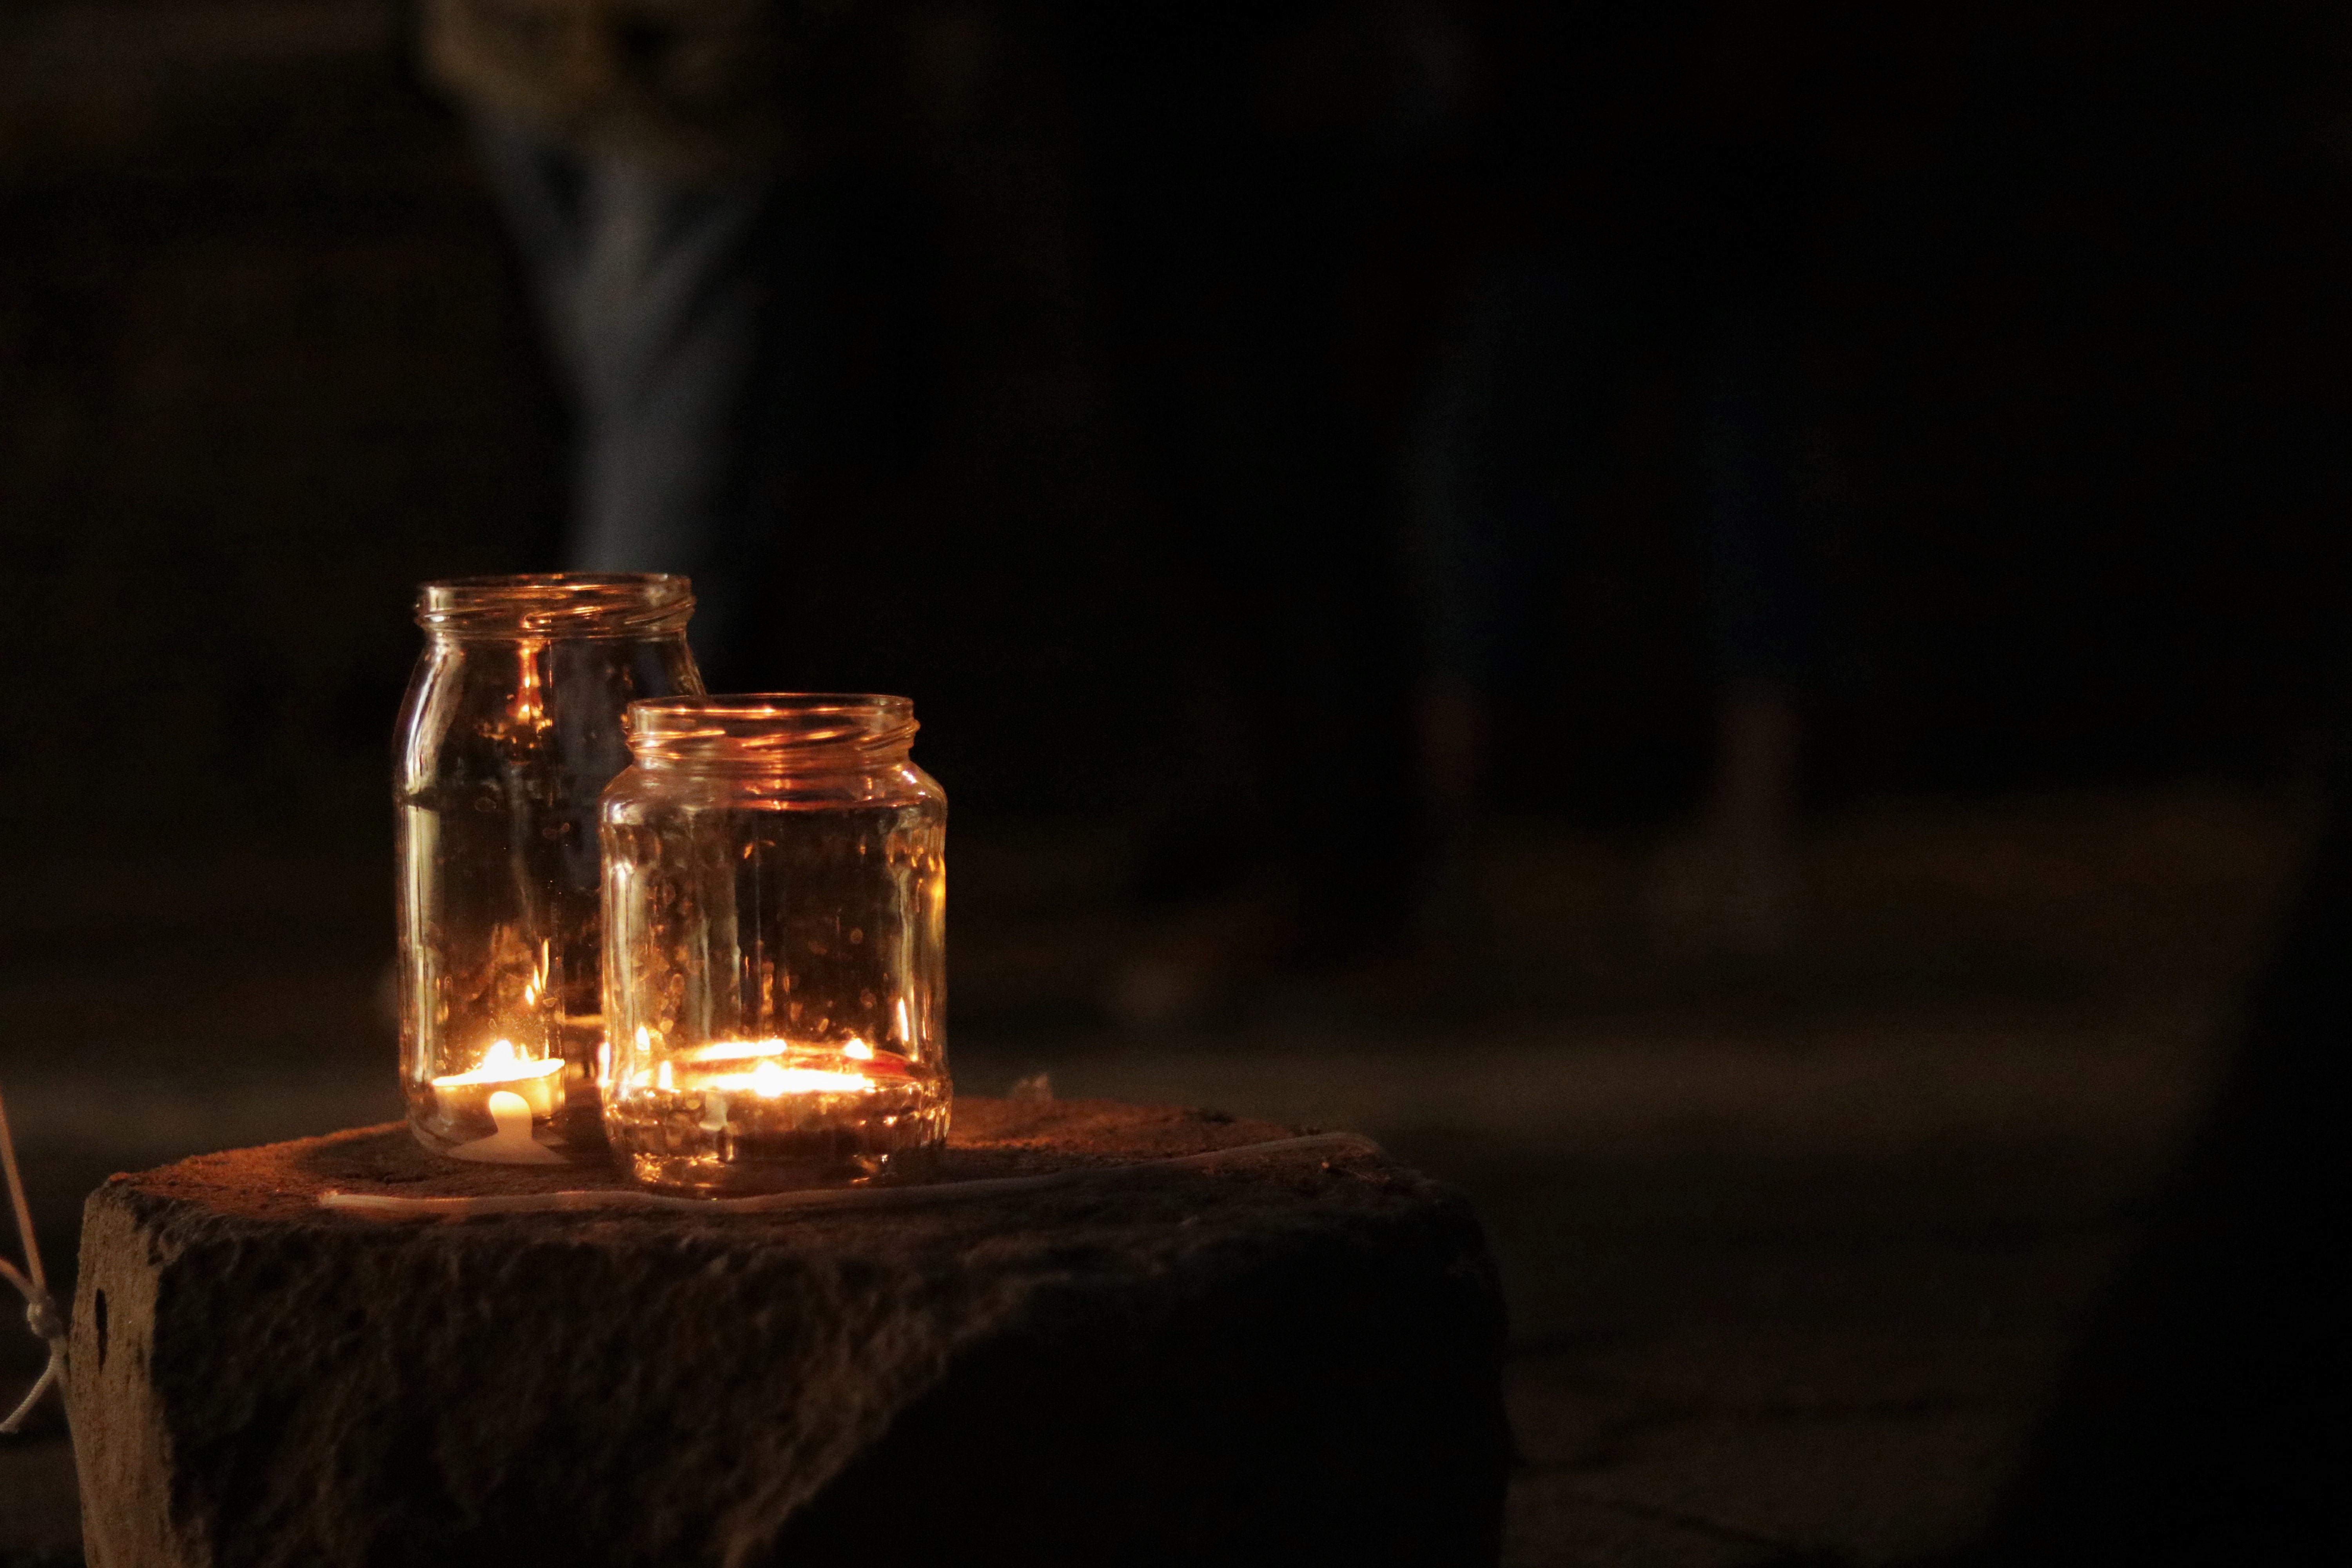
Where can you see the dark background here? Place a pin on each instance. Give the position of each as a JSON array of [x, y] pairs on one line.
[[1794, 1243], [267, 364]]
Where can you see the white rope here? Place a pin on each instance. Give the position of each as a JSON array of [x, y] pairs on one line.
[[391, 1207], [41, 1314]]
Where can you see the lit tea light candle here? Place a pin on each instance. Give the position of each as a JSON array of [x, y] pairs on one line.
[[771, 1078], [771, 1068], [537, 1081], [853, 1047], [773, 1099]]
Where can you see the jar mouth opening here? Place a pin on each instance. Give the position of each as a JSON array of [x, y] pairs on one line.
[[556, 603], [772, 727]]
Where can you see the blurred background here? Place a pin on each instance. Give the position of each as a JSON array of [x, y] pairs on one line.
[[1718, 620]]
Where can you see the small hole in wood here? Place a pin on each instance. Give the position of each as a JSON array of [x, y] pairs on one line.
[[98, 1318]]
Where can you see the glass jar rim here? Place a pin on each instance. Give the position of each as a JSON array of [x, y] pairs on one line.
[[556, 603], [778, 729]]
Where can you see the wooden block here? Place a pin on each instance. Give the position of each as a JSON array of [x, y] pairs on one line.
[[1290, 1358]]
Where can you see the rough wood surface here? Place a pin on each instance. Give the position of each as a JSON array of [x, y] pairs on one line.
[[1283, 1359]]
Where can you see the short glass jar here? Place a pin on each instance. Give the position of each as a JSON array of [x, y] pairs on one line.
[[775, 899], [513, 725]]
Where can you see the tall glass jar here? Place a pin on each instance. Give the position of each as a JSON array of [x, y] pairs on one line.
[[775, 894], [513, 726]]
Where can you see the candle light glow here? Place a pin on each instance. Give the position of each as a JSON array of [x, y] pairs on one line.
[[776, 1067], [536, 1079]]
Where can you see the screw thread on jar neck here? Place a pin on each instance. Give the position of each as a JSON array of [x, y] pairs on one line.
[[556, 605], [783, 731]]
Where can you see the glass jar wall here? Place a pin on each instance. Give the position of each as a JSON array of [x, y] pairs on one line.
[[775, 895], [513, 725]]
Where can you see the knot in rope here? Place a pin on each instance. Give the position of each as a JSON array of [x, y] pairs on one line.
[[41, 1316]]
